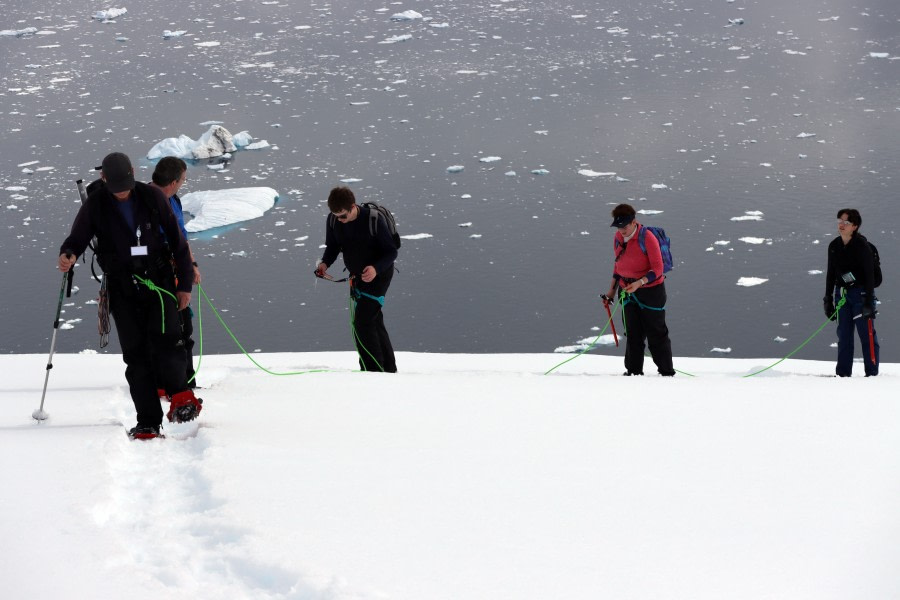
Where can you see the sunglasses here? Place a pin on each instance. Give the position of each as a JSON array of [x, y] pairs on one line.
[[845, 223], [341, 216]]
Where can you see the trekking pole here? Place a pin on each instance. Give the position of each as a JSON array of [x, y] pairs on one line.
[[65, 288]]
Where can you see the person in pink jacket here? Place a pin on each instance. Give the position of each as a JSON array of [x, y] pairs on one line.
[[640, 275]]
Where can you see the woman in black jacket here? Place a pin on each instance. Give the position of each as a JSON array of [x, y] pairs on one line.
[[851, 274]]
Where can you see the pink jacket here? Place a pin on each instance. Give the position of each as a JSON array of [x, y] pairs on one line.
[[632, 264]]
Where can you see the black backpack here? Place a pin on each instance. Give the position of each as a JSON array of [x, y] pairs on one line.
[[877, 260], [376, 209]]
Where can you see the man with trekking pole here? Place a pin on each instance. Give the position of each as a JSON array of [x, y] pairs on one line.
[[131, 222], [853, 273]]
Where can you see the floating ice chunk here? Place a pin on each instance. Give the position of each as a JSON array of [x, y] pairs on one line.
[[647, 211], [815, 271], [351, 180], [803, 135], [722, 350], [241, 140], [747, 218], [215, 142], [240, 253], [510, 173], [469, 224], [417, 236], [737, 21], [540, 172], [217, 208], [360, 103], [721, 243], [489, 159], [659, 186], [466, 72], [780, 339], [406, 15], [466, 196], [829, 19], [211, 44], [397, 38], [879, 54], [765, 164], [18, 32], [617, 30], [589, 173], [754, 240], [751, 281], [455, 168], [475, 236], [439, 25], [257, 145], [109, 14], [167, 34], [216, 167]]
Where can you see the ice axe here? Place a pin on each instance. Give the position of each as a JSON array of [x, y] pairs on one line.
[[65, 289], [606, 301]]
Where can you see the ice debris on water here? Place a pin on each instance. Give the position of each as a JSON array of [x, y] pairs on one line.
[[722, 350], [751, 281], [217, 141], [406, 15], [469, 224], [455, 168], [589, 173], [540, 172], [109, 14], [171, 34], [397, 38], [879, 54], [18, 32], [489, 159], [217, 208], [659, 186], [417, 236], [804, 135]]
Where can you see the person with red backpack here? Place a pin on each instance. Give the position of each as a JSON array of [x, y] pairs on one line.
[[641, 261]]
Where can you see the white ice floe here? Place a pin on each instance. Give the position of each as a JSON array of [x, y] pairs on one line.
[[469, 224], [396, 38], [18, 32], [510, 173], [722, 350], [217, 208], [540, 172], [210, 44], [257, 145], [351, 180], [755, 240], [780, 339], [879, 54], [804, 135], [647, 211], [589, 173], [604, 340], [455, 168], [109, 14], [659, 186], [751, 281], [489, 159], [217, 141], [795, 52], [475, 236], [167, 34], [815, 272], [417, 236], [750, 215], [406, 15], [439, 25]]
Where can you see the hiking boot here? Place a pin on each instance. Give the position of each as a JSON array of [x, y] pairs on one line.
[[184, 407], [145, 432], [630, 374]]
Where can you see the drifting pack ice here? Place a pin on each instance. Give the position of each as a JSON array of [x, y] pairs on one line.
[[217, 141], [217, 208]]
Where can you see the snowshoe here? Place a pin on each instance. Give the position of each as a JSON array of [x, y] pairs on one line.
[[145, 432], [184, 407]]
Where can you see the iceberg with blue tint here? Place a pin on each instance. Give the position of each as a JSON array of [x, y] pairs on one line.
[[218, 208]]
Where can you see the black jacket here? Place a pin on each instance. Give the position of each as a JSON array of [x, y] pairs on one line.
[[361, 249], [855, 258], [100, 216]]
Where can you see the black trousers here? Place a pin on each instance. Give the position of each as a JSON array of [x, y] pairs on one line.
[[151, 339], [372, 340], [647, 325]]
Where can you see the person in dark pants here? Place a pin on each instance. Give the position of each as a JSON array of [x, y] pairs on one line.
[[369, 255], [851, 274], [640, 275], [126, 217], [169, 175]]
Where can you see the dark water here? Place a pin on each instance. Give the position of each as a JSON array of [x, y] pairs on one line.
[[712, 112]]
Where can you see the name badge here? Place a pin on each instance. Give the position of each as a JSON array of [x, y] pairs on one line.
[[139, 250]]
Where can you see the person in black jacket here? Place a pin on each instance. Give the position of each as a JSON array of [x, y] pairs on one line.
[[128, 219], [851, 274], [369, 255]]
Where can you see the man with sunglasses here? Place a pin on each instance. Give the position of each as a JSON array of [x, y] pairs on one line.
[[851, 274], [369, 255]]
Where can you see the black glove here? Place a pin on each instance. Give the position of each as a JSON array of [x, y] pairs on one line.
[[868, 311], [829, 308]]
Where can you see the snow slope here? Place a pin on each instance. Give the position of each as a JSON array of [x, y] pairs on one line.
[[462, 477]]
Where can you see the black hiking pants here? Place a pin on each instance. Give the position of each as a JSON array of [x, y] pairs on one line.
[[372, 340], [150, 336], [647, 324]]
